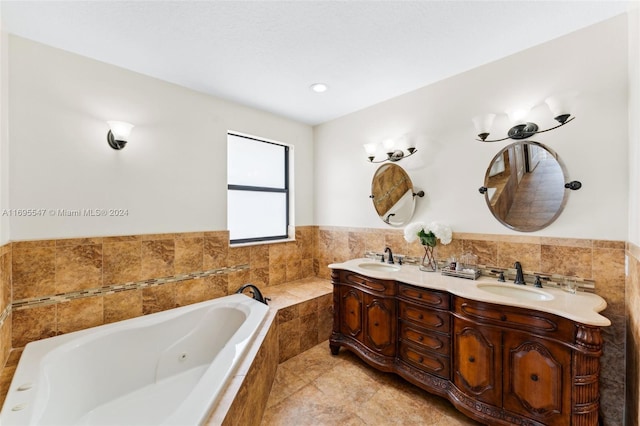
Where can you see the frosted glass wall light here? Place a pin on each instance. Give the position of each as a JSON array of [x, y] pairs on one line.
[[522, 129], [118, 134], [395, 150]]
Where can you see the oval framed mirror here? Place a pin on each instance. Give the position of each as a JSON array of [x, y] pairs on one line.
[[392, 195], [525, 186]]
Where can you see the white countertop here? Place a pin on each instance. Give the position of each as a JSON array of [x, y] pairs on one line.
[[580, 307]]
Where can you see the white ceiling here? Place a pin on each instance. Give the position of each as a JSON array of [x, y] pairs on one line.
[[266, 54]]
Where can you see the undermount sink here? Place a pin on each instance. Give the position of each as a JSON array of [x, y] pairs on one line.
[[515, 291], [380, 267]]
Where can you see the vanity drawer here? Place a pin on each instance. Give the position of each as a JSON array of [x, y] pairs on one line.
[[427, 340], [371, 285], [436, 299], [518, 318], [426, 361], [424, 317]]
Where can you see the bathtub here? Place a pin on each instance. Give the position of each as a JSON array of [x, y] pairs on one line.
[[167, 368]]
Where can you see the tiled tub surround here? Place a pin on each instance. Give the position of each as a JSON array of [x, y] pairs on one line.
[[597, 260], [307, 300], [61, 286], [171, 358]]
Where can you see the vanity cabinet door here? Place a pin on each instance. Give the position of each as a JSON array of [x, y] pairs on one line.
[[351, 312], [537, 378], [477, 357], [380, 324]]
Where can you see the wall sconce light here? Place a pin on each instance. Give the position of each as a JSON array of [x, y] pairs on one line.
[[118, 134], [559, 106], [395, 150]]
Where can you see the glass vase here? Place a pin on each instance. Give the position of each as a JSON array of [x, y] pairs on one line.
[[429, 262]]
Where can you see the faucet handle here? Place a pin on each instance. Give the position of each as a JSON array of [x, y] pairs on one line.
[[501, 277], [537, 282]]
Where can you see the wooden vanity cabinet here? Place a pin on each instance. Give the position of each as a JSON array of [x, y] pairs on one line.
[[365, 319], [500, 365], [424, 325]]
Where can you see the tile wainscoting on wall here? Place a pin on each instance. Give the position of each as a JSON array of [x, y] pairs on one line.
[[59, 286], [632, 411], [65, 285]]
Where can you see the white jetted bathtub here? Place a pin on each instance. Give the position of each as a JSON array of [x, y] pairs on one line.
[[167, 368]]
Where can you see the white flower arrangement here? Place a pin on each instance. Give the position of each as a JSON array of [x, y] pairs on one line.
[[428, 234]]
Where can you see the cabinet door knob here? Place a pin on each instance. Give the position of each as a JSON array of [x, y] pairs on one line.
[[534, 377], [351, 312], [472, 359], [376, 324]]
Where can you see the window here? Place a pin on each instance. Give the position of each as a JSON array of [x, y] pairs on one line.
[[258, 189]]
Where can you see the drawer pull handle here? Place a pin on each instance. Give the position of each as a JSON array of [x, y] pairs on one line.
[[534, 377], [421, 316], [420, 338], [421, 360], [419, 295], [503, 317], [472, 359]]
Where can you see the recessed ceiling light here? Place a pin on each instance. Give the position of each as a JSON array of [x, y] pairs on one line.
[[319, 87]]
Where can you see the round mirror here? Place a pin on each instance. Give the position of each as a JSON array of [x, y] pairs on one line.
[[525, 186], [392, 195]]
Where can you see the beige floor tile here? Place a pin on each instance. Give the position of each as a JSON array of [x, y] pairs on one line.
[[317, 388]]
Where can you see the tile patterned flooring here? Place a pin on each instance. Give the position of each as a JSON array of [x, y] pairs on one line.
[[316, 388]]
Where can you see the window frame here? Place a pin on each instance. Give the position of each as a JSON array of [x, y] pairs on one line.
[[251, 188]]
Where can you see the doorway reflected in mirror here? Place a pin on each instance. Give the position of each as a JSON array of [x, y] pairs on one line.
[[525, 186]]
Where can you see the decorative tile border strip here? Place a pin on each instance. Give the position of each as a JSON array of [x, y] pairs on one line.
[[116, 288], [548, 280], [5, 314]]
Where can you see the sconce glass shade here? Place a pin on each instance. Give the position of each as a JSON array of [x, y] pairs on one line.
[[118, 134], [370, 148], [483, 124], [560, 106], [389, 145], [517, 115]]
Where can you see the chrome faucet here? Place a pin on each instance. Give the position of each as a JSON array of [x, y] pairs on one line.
[[390, 259], [519, 275]]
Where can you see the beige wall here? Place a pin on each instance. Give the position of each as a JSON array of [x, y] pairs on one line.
[[450, 164], [172, 175]]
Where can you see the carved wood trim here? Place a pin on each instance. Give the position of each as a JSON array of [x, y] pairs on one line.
[[383, 362], [356, 295], [468, 331], [589, 338], [432, 298], [509, 319], [377, 304], [544, 352], [585, 400], [488, 412]]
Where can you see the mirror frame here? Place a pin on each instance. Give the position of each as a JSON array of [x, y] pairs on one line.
[[564, 198], [381, 189]]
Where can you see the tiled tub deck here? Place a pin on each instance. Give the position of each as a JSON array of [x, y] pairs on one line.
[[300, 318]]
